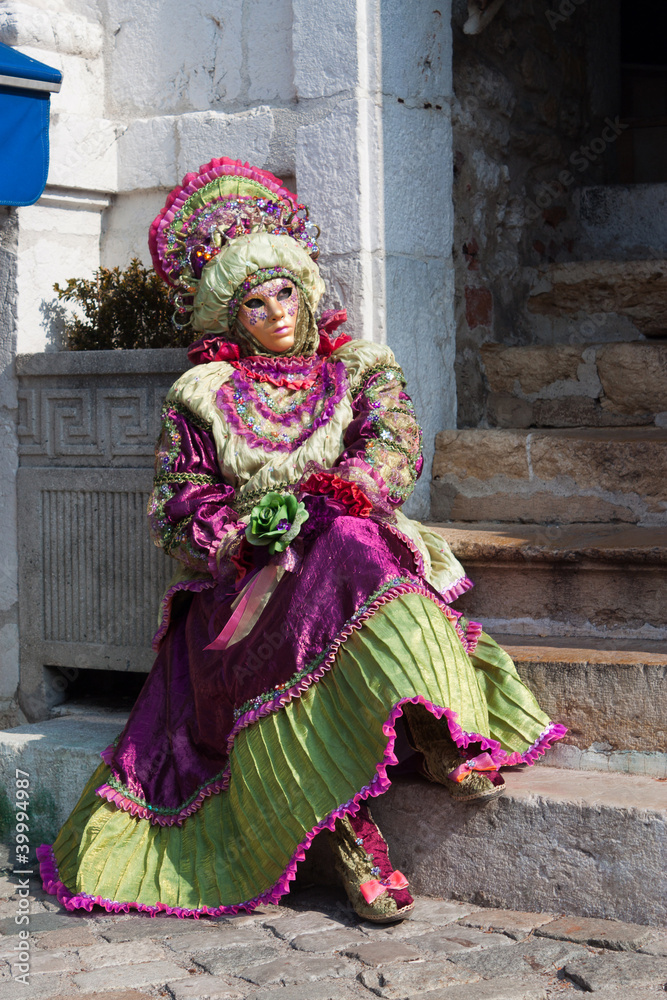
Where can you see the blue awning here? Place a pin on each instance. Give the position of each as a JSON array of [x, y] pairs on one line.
[[25, 85]]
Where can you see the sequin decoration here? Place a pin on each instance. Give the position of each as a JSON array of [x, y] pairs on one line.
[[277, 403], [394, 450]]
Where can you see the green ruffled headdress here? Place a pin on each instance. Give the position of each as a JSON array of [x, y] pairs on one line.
[[224, 231]]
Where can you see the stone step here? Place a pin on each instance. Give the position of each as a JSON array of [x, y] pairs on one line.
[[634, 289], [622, 221], [598, 581], [604, 385], [611, 695], [558, 841], [544, 476], [59, 756]]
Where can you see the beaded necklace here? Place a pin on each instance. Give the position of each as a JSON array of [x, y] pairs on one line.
[[278, 403]]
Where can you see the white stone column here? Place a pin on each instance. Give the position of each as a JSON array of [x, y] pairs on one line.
[[376, 172], [339, 158], [418, 213]]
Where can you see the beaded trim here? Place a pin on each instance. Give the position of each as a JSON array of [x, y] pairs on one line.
[[381, 388], [119, 786], [174, 536], [186, 477], [185, 411], [368, 373]]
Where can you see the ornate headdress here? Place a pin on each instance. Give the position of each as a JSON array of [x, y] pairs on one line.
[[225, 230]]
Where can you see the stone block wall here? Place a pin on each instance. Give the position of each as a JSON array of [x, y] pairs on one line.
[[9, 627], [531, 125], [90, 578]]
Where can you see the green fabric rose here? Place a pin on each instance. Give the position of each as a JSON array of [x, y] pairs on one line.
[[276, 521]]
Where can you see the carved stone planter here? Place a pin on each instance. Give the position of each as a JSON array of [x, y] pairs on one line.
[[90, 577]]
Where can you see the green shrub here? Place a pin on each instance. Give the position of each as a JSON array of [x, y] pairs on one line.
[[121, 310]]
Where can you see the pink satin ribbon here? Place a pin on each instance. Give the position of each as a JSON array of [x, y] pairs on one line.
[[483, 762], [248, 602], [371, 890]]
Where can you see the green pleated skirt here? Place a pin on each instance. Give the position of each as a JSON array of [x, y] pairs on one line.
[[293, 771]]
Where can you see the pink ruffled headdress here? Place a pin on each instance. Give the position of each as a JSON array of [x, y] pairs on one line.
[[224, 230]]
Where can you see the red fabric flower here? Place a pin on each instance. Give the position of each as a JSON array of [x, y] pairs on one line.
[[328, 324], [212, 348], [349, 494]]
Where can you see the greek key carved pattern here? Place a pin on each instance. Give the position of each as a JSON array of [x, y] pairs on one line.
[[129, 427], [29, 430], [89, 424]]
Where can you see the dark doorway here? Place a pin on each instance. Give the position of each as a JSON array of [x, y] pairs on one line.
[[643, 146]]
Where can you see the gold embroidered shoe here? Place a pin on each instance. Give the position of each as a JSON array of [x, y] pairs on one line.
[[376, 891], [443, 762]]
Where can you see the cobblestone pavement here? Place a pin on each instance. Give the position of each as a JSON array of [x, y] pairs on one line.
[[313, 948]]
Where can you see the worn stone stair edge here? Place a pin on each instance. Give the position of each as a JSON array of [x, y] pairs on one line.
[[558, 841], [504, 542], [603, 651], [557, 628], [572, 758], [625, 435]]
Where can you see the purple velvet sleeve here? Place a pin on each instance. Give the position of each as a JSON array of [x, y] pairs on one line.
[[383, 440], [189, 508]]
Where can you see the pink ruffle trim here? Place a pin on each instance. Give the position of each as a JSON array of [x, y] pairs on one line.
[[554, 731], [128, 805], [459, 587], [473, 632], [379, 784]]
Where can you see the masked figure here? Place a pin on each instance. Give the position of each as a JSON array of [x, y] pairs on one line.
[[307, 613]]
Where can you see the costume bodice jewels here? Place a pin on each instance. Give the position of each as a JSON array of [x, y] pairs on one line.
[[278, 403]]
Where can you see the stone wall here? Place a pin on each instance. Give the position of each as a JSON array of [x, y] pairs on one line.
[[534, 121], [90, 578], [9, 630]]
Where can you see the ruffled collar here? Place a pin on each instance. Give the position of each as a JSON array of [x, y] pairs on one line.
[[291, 372]]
